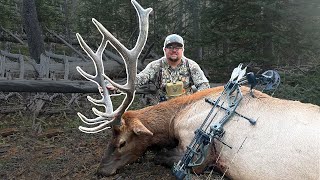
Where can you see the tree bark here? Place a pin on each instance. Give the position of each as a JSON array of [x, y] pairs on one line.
[[195, 14], [33, 29]]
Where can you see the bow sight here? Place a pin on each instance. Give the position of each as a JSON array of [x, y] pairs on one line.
[[226, 103]]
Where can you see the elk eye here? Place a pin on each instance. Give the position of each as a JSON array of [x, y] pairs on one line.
[[122, 144]]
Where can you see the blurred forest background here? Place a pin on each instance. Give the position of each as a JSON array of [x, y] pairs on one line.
[[219, 34]]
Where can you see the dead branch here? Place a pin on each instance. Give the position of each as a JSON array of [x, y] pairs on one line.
[[11, 34], [69, 45]]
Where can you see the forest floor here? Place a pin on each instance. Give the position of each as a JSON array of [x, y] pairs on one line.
[[58, 150]]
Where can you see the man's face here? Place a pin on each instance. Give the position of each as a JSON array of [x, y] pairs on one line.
[[173, 52]]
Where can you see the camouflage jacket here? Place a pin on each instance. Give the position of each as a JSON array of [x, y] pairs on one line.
[[159, 73]]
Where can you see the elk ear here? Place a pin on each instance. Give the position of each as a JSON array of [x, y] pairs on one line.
[[139, 129]]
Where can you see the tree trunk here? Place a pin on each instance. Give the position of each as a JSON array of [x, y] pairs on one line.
[[67, 21], [33, 29], [195, 10]]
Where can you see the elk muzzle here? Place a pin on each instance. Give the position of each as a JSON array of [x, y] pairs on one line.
[[114, 160]]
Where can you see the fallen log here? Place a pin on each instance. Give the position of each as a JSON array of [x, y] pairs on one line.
[[48, 67], [49, 86], [57, 86]]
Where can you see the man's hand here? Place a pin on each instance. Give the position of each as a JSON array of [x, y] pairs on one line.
[[110, 88]]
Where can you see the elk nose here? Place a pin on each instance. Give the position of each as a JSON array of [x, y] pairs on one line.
[[105, 171]]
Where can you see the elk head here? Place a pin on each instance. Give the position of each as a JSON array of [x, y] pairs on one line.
[[120, 150]]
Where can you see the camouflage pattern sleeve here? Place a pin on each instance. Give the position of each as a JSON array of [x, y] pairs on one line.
[[149, 74], [198, 77]]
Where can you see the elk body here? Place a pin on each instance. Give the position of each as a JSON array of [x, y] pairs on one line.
[[284, 143]]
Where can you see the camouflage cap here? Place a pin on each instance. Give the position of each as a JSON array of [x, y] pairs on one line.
[[173, 38]]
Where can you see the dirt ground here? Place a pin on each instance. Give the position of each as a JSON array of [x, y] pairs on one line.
[[52, 147], [61, 153]]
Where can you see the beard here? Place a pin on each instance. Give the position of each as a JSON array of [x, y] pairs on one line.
[[173, 59]]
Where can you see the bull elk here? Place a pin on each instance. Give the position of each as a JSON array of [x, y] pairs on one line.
[[284, 143]]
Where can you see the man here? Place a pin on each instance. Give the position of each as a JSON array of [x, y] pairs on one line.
[[173, 74]]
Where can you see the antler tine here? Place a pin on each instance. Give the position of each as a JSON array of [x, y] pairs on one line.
[[99, 68], [98, 78], [130, 57], [132, 61], [96, 129], [143, 26], [96, 120]]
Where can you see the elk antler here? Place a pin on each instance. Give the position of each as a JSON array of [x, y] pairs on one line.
[[130, 57]]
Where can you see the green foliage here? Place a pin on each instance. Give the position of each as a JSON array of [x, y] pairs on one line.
[[20, 49], [304, 87], [10, 14], [50, 14], [269, 33], [119, 17]]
